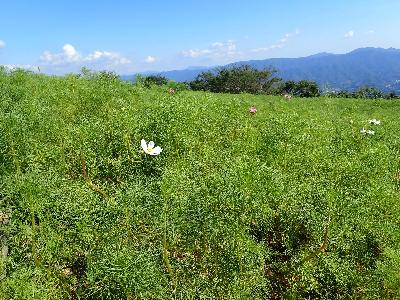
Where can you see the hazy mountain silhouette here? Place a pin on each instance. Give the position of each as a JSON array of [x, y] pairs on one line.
[[375, 67]]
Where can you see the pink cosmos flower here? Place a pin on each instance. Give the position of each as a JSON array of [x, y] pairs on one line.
[[253, 109]]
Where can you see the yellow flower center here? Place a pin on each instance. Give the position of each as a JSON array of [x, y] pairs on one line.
[[149, 149]]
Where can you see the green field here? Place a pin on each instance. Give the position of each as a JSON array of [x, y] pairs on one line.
[[291, 202]]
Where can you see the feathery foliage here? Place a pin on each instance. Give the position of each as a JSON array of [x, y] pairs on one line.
[[290, 202]]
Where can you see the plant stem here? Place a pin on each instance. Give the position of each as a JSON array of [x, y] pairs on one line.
[[166, 253]]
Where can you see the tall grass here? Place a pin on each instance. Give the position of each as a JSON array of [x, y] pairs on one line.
[[289, 203]]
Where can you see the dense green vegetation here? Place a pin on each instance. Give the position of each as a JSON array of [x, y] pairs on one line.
[[239, 79], [236, 80], [291, 202]]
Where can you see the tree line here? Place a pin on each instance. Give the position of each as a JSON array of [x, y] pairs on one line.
[[247, 79]]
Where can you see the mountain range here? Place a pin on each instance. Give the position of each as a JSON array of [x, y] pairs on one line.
[[375, 67]]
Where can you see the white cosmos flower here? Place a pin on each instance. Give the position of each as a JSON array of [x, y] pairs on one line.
[[375, 122], [363, 131], [371, 132], [149, 148]]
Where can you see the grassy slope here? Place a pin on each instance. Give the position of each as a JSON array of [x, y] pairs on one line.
[[291, 201]]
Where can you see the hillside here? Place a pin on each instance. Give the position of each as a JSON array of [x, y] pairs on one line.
[[290, 202], [375, 67]]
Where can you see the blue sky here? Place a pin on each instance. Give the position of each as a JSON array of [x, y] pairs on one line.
[[132, 36]]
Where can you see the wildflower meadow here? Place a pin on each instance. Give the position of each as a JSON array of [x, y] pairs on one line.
[[110, 190]]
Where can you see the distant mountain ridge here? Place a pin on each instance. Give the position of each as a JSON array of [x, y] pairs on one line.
[[376, 67]]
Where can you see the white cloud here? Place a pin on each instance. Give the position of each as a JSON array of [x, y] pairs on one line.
[[217, 44], [26, 67], [370, 32], [71, 56], [71, 53], [281, 43], [2, 44], [216, 50], [196, 52], [111, 57], [349, 34], [151, 59], [68, 55]]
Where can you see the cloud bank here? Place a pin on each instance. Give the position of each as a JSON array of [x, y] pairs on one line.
[[349, 35], [151, 59], [217, 50], [70, 55]]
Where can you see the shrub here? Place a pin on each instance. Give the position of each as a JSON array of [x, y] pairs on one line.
[[151, 80], [235, 80], [368, 93], [159, 80], [177, 86], [362, 93], [302, 88], [206, 81]]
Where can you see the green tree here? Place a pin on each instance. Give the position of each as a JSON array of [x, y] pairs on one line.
[[369, 93], [302, 88], [236, 79], [307, 88], [205, 81], [148, 81]]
